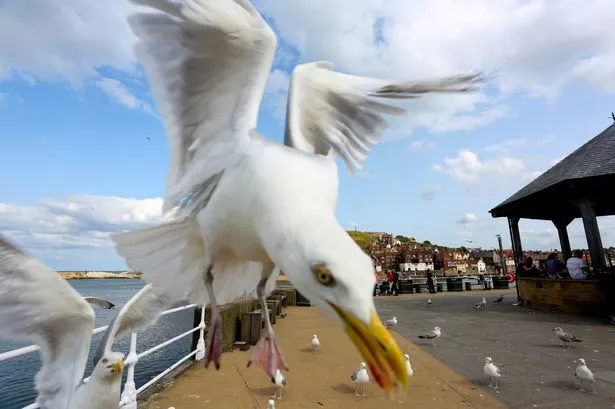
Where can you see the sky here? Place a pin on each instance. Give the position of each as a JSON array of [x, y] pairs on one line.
[[84, 152]]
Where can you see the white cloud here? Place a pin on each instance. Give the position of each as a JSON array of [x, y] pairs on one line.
[[76, 222], [421, 145], [466, 167], [507, 145], [117, 91], [467, 218], [430, 192]]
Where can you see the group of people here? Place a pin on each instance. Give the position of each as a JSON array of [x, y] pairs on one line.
[[388, 286], [554, 268]]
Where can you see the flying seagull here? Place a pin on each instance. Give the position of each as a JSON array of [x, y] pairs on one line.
[[492, 372], [565, 337], [242, 207], [37, 305]]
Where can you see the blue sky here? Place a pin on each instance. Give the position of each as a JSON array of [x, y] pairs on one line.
[[85, 154]]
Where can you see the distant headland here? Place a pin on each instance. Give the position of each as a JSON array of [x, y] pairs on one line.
[[85, 275]]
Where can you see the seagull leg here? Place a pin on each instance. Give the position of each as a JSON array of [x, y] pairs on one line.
[[214, 333], [364, 390], [266, 352]]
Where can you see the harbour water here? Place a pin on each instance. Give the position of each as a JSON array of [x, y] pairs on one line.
[[17, 375]]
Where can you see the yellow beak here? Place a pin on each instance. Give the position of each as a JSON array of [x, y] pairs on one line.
[[377, 346], [117, 366]]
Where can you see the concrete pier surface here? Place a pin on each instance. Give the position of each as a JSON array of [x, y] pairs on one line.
[[318, 380], [537, 371]]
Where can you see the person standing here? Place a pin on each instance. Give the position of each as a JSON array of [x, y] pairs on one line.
[[430, 285]]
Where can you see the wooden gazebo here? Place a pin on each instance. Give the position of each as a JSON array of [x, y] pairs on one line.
[[579, 186]]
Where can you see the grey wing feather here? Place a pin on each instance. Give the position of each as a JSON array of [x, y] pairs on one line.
[[142, 310], [428, 335], [354, 375], [99, 302], [38, 306]]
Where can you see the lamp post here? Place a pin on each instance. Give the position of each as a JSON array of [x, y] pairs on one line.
[[502, 262]]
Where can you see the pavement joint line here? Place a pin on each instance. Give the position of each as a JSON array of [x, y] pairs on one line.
[[250, 391]]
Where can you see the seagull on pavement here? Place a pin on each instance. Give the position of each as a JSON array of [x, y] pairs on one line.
[[388, 324], [584, 374], [270, 404], [37, 305], [279, 381], [492, 372], [360, 379], [499, 299], [481, 304], [566, 338], [429, 301], [432, 335], [408, 365], [239, 207], [315, 343]]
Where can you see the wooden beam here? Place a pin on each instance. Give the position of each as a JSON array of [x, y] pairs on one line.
[[562, 231], [592, 232], [515, 238]]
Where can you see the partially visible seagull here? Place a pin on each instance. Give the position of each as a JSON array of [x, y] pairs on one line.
[[408, 365], [499, 299], [99, 302], [584, 375], [37, 305], [315, 343], [429, 301], [360, 379], [279, 381], [492, 372], [566, 338], [432, 335], [388, 324], [270, 404], [481, 304], [242, 207]]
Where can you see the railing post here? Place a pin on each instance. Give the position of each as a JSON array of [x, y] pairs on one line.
[[200, 346], [129, 394]]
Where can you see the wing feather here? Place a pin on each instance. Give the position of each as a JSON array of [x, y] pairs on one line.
[[329, 111], [99, 302], [36, 305], [207, 63]]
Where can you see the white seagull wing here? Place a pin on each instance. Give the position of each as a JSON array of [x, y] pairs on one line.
[[207, 64], [36, 305], [330, 111], [142, 310]]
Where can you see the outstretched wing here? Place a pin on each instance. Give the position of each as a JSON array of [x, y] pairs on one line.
[[328, 110], [99, 302], [207, 63], [140, 311], [36, 305]]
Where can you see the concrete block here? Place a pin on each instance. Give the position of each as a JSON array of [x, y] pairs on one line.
[[244, 332], [271, 307], [290, 294], [256, 318]]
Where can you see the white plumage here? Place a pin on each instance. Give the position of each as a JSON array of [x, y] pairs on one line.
[[481, 304], [38, 306], [388, 324], [360, 378], [492, 372], [315, 343], [270, 404], [583, 374], [408, 365], [244, 205], [279, 381]]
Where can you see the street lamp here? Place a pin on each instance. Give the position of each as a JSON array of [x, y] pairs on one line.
[[502, 262]]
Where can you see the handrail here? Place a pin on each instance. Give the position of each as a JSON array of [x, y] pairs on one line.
[[128, 399]]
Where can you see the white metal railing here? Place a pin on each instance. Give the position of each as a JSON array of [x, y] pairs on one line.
[[128, 399]]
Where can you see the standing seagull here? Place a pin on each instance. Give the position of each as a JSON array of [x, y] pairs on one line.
[[481, 304], [565, 337], [432, 335], [408, 365], [388, 324], [243, 205], [279, 381], [360, 379], [315, 343], [270, 404], [429, 301], [38, 306], [492, 372], [584, 374]]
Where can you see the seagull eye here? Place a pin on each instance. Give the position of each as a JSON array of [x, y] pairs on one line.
[[323, 275], [105, 360]]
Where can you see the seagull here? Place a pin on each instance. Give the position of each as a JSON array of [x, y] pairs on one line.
[[429, 301], [492, 372], [279, 381], [565, 337], [499, 299], [388, 324], [99, 302], [315, 343], [360, 379], [481, 304], [432, 335], [240, 207], [270, 404], [408, 365], [584, 374], [37, 305]]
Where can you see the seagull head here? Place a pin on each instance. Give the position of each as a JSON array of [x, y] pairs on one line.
[[581, 361], [111, 365], [332, 271], [437, 329], [558, 329], [406, 357], [488, 360]]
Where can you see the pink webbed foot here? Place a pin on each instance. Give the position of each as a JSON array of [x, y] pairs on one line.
[[214, 340], [267, 355]]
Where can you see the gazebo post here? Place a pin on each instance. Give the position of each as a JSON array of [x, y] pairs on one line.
[[515, 238], [592, 232], [562, 230]]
